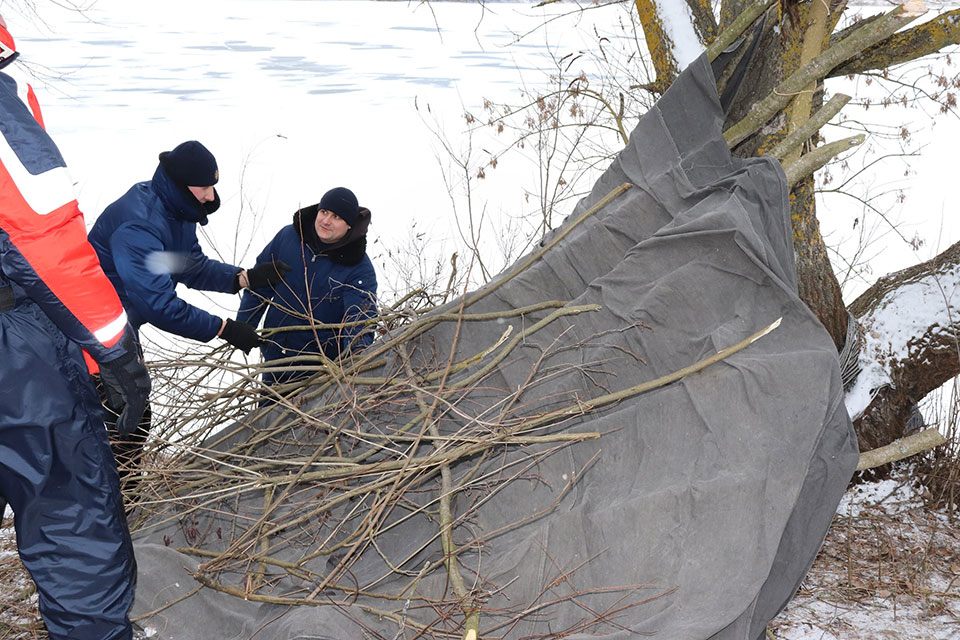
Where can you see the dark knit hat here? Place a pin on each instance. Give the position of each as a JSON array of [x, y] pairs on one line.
[[342, 202], [190, 164]]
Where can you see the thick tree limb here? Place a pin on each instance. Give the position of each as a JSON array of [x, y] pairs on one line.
[[910, 344], [820, 156], [736, 28], [900, 449], [703, 21], [818, 68], [916, 42], [811, 126], [813, 40], [729, 10], [658, 44]]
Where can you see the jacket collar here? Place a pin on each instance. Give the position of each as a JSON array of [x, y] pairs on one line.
[[348, 251], [179, 202]]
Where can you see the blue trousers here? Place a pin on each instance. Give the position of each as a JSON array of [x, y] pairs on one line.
[[58, 475]]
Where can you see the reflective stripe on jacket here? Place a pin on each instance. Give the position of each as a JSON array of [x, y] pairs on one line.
[[43, 244]]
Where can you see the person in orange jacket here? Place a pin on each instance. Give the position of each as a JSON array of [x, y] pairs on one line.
[[56, 304]]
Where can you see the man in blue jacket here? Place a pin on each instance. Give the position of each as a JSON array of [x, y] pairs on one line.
[[147, 245], [326, 248]]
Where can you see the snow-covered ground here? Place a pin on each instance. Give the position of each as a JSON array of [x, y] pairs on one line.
[[889, 569]]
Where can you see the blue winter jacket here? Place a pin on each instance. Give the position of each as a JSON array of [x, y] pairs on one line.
[[147, 244], [338, 280]]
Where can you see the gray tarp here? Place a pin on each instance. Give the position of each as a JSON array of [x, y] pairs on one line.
[[698, 512]]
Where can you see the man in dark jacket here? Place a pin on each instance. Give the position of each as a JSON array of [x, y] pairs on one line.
[[326, 248], [147, 244], [56, 304]]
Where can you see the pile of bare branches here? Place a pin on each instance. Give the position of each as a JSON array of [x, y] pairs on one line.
[[290, 484]]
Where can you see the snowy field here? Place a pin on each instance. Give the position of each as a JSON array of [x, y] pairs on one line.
[[297, 96]]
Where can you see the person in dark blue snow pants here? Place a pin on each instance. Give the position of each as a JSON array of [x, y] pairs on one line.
[[59, 477], [59, 318]]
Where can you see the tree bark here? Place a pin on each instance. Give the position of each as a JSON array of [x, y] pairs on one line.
[[658, 44], [779, 55], [703, 21]]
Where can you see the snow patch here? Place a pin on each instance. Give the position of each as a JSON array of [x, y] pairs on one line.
[[872, 377], [677, 21], [888, 570], [892, 496], [929, 304]]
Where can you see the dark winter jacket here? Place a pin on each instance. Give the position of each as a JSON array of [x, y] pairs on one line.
[[147, 244], [338, 280]]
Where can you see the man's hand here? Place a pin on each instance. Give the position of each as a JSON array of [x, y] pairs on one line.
[[264, 274], [241, 335], [127, 384]]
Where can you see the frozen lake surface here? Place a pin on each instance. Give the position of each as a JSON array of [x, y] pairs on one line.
[[297, 96], [292, 96]]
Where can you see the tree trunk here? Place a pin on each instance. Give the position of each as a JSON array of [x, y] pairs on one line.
[[894, 379], [778, 56], [818, 285]]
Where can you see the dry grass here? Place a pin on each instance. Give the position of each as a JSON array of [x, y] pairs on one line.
[[19, 618], [889, 568]]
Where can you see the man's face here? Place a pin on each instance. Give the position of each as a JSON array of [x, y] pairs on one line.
[[330, 227], [202, 194]]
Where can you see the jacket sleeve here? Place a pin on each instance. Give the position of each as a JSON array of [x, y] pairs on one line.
[[205, 274], [359, 303], [43, 239], [150, 289], [253, 304]]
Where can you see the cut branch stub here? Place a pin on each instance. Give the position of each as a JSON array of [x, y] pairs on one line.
[[811, 126], [820, 156], [900, 449]]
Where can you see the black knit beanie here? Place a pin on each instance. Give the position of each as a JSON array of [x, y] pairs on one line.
[[342, 202], [190, 164]]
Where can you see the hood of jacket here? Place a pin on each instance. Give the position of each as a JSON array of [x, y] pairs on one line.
[[348, 251], [178, 200]]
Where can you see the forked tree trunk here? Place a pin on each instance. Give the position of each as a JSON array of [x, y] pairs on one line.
[[779, 55]]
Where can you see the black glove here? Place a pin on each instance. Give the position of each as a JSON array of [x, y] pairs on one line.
[[127, 384], [266, 274], [241, 335]]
